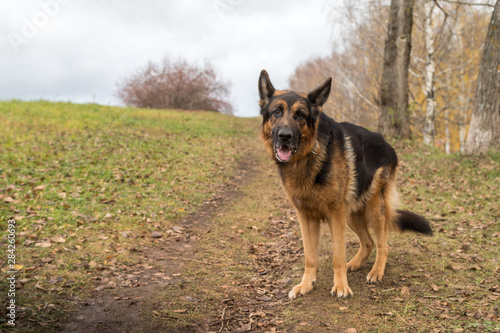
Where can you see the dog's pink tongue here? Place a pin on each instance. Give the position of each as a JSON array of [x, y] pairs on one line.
[[284, 153]]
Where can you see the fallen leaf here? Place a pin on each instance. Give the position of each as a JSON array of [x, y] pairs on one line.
[[51, 306], [455, 268], [59, 240], [39, 287], [257, 314], [284, 281], [177, 229]]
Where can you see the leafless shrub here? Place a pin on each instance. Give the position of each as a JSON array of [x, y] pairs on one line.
[[176, 85]]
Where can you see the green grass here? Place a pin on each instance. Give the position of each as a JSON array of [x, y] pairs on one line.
[[451, 278], [92, 153], [76, 176]]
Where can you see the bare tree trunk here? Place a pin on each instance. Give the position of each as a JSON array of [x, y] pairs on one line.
[[463, 93], [484, 130], [461, 134], [446, 131], [394, 117], [430, 68]]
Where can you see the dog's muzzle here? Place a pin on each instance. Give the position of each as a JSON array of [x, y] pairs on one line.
[[284, 149]]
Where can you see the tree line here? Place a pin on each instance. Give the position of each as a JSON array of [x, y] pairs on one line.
[[416, 68]]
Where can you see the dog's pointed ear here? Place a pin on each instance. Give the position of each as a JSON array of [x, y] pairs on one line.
[[266, 89], [319, 96]]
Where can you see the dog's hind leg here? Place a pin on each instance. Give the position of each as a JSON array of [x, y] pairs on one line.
[[378, 217], [310, 229], [359, 225]]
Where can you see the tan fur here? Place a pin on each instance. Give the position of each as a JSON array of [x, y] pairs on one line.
[[335, 204]]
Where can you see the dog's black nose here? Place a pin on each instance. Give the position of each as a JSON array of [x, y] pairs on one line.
[[285, 135]]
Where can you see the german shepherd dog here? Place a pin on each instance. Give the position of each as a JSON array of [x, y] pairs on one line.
[[337, 173]]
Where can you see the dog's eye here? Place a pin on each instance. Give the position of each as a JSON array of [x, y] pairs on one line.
[[277, 112], [299, 115]]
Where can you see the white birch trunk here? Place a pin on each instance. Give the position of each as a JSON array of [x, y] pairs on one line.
[[462, 128], [446, 132], [430, 68], [461, 134]]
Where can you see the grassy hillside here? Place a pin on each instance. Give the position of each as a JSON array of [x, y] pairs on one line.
[[88, 185], [75, 177]]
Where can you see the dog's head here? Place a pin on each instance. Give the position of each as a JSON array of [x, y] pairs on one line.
[[290, 118]]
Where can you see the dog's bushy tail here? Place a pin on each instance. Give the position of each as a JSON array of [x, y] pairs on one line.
[[408, 221]]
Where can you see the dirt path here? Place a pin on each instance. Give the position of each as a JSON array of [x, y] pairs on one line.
[[229, 267], [119, 300]]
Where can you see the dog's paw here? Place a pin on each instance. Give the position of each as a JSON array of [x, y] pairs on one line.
[[341, 290], [300, 289], [353, 265], [374, 276]]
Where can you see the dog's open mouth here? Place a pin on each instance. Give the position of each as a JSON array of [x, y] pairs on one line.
[[284, 153]]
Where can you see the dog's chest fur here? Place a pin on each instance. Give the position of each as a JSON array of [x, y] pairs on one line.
[[311, 195]]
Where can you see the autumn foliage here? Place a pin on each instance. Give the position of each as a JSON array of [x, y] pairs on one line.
[[355, 65], [176, 85]]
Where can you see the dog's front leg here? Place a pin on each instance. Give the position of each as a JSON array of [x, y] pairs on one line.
[[310, 238], [337, 226]]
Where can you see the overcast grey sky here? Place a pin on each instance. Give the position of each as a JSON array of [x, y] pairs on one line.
[[75, 50]]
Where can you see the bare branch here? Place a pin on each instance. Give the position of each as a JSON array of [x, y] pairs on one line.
[[469, 3], [415, 74]]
